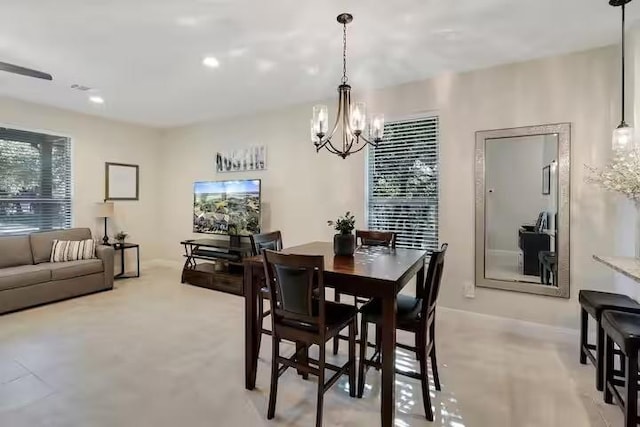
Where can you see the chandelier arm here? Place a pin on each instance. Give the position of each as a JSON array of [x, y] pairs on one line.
[[367, 141], [358, 149], [329, 146], [335, 126]]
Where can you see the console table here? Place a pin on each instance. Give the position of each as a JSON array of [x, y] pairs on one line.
[[215, 264]]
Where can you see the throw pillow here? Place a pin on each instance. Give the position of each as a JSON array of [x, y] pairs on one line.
[[69, 250]]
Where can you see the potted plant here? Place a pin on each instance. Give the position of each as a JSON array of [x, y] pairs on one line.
[[344, 242], [121, 236]]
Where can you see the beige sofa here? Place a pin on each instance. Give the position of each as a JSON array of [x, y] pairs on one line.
[[27, 278]]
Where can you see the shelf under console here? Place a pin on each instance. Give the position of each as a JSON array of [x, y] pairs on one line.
[[215, 264]]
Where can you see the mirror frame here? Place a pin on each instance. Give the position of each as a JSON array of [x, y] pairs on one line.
[[563, 130]]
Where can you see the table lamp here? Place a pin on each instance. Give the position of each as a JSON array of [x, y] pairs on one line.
[[105, 210]]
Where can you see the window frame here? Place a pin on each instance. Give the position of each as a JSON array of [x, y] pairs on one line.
[[367, 162], [72, 155]]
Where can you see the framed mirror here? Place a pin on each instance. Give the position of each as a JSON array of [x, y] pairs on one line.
[[522, 209]]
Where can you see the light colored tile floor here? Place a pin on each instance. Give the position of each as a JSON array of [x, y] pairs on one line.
[[157, 353]]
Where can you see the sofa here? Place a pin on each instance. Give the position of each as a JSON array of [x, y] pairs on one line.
[[27, 278]]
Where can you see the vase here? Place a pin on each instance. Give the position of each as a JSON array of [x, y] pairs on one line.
[[344, 244]]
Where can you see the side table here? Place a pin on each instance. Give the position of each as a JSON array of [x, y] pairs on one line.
[[122, 247]]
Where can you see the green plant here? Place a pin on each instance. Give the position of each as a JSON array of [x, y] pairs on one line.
[[121, 235], [344, 224]]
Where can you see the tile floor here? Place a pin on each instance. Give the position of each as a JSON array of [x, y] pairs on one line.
[[157, 353]]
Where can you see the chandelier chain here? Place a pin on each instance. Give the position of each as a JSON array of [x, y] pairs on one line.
[[344, 55]]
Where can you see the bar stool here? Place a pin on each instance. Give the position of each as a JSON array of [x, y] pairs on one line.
[[594, 303], [622, 329]]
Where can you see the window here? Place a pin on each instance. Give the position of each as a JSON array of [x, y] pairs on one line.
[[402, 193], [35, 182]]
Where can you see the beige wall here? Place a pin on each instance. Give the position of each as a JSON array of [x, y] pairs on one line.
[[94, 142], [302, 189]]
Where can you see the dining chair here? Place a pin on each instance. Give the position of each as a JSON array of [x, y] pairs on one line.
[[301, 315], [260, 242], [366, 238], [416, 315]]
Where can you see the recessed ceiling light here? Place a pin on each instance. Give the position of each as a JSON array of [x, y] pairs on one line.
[[211, 62], [265, 65], [96, 99], [312, 70]]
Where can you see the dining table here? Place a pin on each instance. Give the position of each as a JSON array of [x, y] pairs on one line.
[[372, 272]]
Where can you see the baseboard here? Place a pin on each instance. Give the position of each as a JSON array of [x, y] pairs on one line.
[[527, 328]]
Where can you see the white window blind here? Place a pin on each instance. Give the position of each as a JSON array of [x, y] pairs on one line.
[[35, 182], [403, 183]]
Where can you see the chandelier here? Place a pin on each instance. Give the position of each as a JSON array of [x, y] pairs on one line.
[[351, 118]]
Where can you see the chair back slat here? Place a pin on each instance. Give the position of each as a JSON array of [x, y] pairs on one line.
[[291, 280], [376, 238], [433, 278], [260, 242]]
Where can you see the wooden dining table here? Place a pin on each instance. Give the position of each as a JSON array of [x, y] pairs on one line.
[[372, 272]]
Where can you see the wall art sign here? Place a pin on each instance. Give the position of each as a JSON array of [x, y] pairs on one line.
[[242, 159]]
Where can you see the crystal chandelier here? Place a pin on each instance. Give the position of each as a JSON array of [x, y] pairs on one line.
[[351, 118], [623, 135]]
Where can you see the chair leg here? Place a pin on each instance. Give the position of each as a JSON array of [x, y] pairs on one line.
[[273, 393], [608, 368], [584, 326], [352, 358], [600, 358], [378, 345], [363, 355], [432, 355], [336, 340], [424, 374], [631, 391], [321, 368], [259, 321]]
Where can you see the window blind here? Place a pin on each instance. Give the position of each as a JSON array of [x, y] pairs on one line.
[[35, 182], [403, 183]]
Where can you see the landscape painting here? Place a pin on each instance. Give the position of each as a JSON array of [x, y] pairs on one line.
[[227, 207]]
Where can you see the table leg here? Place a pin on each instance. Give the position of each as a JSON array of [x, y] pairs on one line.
[[388, 360], [250, 332], [138, 254]]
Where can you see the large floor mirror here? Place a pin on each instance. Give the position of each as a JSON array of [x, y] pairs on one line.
[[522, 209]]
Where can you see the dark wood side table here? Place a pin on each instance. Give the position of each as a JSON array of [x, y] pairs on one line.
[[122, 247]]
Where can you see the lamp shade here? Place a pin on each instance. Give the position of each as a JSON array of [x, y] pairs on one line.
[[104, 210]]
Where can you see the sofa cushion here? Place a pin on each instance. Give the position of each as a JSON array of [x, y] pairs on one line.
[[69, 250], [71, 269], [23, 275], [41, 243], [15, 250]]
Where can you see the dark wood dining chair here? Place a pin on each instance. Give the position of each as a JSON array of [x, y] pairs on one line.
[[366, 238], [260, 242], [417, 315], [301, 315]]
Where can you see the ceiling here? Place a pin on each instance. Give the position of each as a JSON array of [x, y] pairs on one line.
[[144, 57]]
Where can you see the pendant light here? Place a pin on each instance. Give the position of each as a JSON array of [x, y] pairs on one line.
[[623, 135], [352, 118]]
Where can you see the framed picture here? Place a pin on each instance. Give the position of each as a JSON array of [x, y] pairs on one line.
[[242, 159], [546, 180], [121, 181]]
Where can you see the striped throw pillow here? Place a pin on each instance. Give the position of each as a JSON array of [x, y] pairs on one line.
[[69, 250]]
